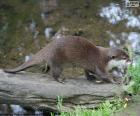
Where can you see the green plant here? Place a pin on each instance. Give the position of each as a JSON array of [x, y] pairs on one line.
[[134, 71], [105, 109], [59, 103]]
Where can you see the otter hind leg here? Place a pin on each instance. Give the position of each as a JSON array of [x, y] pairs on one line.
[[56, 71], [45, 68], [105, 76]]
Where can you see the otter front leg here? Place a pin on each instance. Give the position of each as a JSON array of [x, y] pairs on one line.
[[56, 71], [104, 75], [89, 76]]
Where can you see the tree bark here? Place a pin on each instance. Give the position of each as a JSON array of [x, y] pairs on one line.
[[41, 91]]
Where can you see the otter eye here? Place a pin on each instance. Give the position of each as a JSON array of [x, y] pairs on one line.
[[113, 57]]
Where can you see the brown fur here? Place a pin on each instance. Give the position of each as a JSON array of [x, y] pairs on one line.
[[74, 49]]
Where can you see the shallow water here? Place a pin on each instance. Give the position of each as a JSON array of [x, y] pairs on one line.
[[17, 110]]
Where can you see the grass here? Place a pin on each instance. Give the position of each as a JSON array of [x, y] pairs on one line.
[[134, 72], [105, 109]]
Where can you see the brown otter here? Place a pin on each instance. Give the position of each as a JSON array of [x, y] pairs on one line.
[[117, 58], [117, 68], [74, 49]]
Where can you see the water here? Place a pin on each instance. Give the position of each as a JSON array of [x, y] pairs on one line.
[[17, 110], [114, 14]]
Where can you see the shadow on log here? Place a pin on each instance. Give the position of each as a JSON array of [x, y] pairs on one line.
[[40, 91]]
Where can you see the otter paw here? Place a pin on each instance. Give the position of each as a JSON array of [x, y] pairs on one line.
[[61, 80]]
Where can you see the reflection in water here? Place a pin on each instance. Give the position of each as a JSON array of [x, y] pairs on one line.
[[132, 38], [38, 113], [114, 14], [133, 21], [4, 109], [17, 110]]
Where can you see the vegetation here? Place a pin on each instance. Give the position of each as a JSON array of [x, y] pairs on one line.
[[134, 72], [105, 109]]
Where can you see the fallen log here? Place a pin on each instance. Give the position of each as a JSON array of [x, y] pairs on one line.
[[41, 91]]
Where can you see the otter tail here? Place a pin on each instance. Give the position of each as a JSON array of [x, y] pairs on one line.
[[24, 66]]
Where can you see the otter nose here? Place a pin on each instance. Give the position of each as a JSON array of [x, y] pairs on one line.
[[129, 60]]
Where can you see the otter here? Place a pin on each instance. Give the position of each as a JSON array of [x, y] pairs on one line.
[[74, 49], [116, 65], [117, 68]]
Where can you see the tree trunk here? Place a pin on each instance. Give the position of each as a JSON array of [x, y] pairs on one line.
[[41, 91]]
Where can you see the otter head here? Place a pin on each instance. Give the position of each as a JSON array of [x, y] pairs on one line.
[[118, 60], [118, 54], [118, 63]]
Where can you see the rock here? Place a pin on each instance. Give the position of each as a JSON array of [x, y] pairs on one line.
[[40, 91]]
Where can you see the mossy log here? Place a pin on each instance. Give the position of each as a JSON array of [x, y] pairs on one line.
[[41, 91]]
